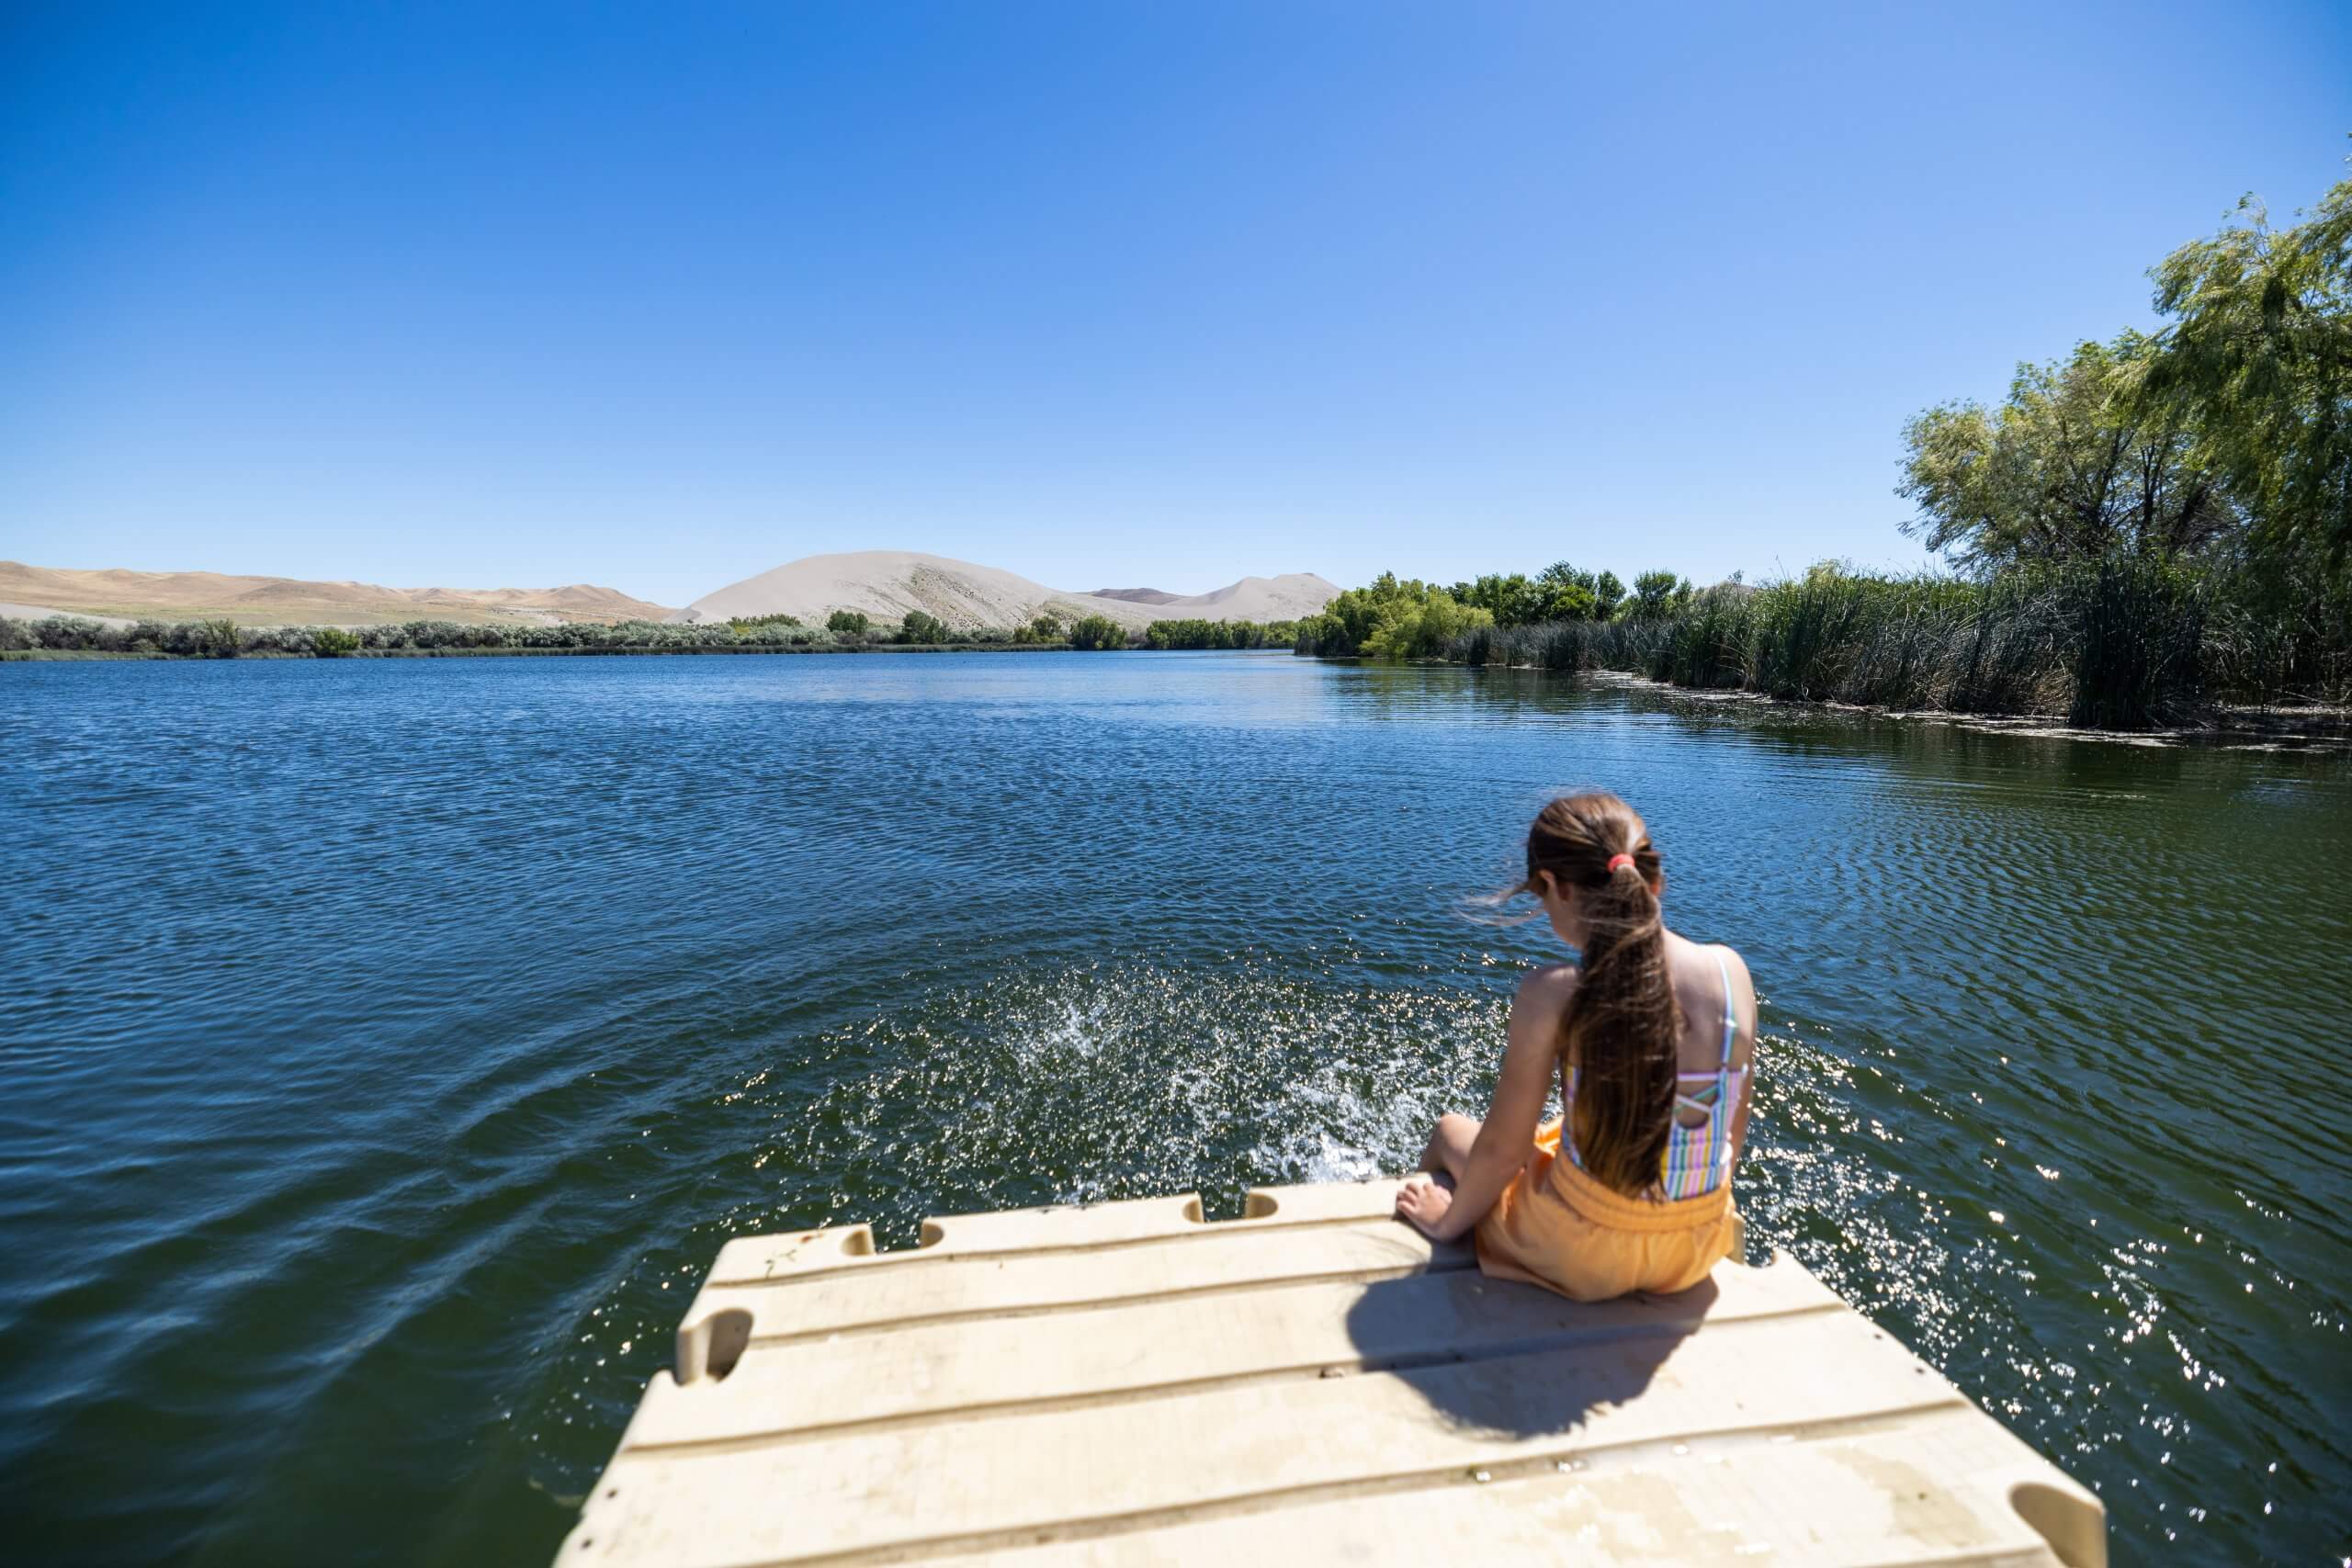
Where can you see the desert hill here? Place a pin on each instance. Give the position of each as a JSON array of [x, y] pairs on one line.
[[885, 584], [285, 601], [1136, 596]]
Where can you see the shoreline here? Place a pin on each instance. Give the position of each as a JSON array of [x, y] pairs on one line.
[[33, 654], [2323, 724], [2227, 727]]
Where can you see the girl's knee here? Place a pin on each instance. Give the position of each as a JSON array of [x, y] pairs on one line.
[[1450, 1143]]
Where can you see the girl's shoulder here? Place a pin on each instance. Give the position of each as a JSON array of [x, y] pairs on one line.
[[1735, 969], [1550, 985], [1714, 953]]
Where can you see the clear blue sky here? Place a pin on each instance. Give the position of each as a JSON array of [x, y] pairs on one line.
[[1109, 294]]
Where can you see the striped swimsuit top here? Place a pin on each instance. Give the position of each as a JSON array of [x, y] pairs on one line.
[[1698, 1159]]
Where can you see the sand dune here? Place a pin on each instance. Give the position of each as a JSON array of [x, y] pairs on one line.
[[1136, 596], [885, 584], [283, 600]]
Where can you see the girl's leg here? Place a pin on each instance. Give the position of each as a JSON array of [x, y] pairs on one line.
[[1448, 1147]]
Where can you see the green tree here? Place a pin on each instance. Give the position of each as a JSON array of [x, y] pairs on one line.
[[221, 638], [1571, 594], [850, 624], [1657, 596], [1097, 632], [1045, 628], [2075, 465], [1420, 629], [2259, 364], [1193, 632], [918, 628], [1512, 601], [1571, 602], [334, 642], [1215, 634], [1340, 630]]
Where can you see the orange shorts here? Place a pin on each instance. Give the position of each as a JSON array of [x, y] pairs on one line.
[[1557, 1227]]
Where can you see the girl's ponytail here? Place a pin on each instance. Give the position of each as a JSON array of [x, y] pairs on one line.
[[1621, 1027]]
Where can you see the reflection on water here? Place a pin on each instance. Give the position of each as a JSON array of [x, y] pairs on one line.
[[391, 1045]]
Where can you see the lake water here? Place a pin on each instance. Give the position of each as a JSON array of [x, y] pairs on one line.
[[388, 1046]]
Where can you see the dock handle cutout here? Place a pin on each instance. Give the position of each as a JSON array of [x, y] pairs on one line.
[[2076, 1530], [709, 1347]]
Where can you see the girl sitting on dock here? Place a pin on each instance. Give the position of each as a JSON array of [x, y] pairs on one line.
[[1653, 1037]]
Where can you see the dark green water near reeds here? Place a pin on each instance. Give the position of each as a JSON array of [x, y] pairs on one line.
[[387, 1047]]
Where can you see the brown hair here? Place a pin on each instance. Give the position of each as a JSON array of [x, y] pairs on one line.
[[1621, 1028]]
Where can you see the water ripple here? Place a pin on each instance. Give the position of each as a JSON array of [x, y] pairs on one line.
[[390, 1046]]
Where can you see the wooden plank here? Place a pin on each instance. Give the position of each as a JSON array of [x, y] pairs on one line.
[[1169, 1341], [1066, 1228], [831, 1301], [1320, 1203], [1124, 1383], [980, 1481], [1933, 1491]]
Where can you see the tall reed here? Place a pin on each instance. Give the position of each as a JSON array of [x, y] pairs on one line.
[[2120, 643]]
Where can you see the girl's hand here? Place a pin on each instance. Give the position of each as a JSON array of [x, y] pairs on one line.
[[1424, 1204]]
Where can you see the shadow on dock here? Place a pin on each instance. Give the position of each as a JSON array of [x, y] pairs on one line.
[[1495, 1356]]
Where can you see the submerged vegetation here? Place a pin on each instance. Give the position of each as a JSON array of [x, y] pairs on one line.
[[2141, 529]]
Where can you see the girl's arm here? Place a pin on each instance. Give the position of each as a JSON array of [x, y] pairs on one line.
[[1531, 1055], [1744, 1001]]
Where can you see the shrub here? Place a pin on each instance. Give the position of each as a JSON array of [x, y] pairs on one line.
[[334, 642], [763, 628], [852, 623], [62, 634], [1193, 633], [1393, 618], [1097, 632]]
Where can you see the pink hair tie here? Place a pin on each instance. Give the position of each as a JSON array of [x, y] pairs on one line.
[[1616, 861]]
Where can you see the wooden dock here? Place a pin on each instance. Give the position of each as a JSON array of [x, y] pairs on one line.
[[1314, 1382]]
